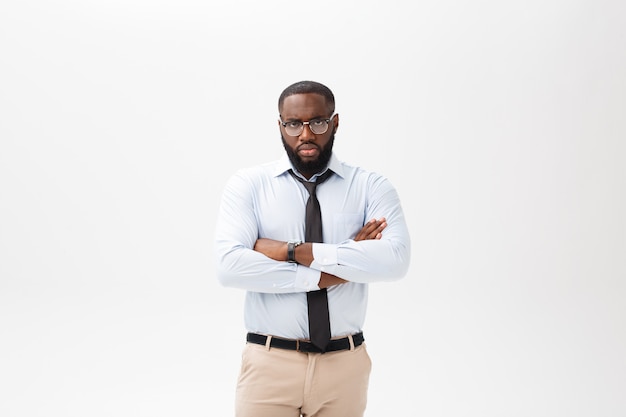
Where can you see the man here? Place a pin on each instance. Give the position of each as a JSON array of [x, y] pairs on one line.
[[298, 281]]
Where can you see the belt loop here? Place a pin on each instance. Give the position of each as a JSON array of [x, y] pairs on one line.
[[351, 342], [268, 341]]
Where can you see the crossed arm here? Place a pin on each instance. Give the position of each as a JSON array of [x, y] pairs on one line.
[[277, 250]]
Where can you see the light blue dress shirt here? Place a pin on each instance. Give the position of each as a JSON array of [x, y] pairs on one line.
[[267, 202]]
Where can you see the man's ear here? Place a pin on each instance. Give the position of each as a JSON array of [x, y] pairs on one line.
[[336, 121]]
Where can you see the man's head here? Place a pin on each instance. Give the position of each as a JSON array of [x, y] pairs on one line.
[[307, 125]]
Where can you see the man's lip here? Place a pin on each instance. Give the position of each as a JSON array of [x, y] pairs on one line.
[[308, 151], [306, 146]]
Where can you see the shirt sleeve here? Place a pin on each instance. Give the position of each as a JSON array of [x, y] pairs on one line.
[[366, 261], [238, 265]]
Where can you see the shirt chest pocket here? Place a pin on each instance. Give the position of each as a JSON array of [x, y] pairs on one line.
[[346, 226]]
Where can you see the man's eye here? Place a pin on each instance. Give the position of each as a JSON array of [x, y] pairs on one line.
[[317, 122], [294, 124]]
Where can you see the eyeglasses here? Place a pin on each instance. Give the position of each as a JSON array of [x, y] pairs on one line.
[[317, 126]]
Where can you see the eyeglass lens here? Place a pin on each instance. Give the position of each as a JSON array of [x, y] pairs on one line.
[[317, 126]]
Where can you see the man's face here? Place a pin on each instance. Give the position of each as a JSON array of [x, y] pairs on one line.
[[309, 152]]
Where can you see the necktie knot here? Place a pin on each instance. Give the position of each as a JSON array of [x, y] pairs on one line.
[[312, 186]]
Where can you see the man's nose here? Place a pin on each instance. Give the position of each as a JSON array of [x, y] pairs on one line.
[[306, 134]]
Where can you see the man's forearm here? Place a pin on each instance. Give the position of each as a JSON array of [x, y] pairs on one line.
[[328, 280], [303, 254], [277, 250]]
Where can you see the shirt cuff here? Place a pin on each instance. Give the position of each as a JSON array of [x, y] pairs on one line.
[[307, 278], [324, 256]]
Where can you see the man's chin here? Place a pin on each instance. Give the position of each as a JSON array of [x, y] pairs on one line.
[[305, 167], [313, 164], [306, 161]]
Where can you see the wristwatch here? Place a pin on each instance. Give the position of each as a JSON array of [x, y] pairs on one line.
[[291, 250]]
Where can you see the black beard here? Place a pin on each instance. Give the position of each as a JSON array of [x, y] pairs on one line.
[[311, 167]]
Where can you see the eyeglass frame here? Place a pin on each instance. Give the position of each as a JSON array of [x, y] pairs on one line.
[[327, 120]]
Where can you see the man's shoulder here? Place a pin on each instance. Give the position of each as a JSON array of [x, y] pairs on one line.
[[348, 170]]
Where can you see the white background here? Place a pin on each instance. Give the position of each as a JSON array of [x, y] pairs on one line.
[[502, 125]]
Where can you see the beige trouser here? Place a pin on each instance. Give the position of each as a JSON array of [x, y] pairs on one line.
[[284, 383]]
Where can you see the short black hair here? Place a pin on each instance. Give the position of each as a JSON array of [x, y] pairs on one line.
[[307, 87]]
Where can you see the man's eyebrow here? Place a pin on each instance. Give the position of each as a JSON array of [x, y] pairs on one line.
[[294, 119]]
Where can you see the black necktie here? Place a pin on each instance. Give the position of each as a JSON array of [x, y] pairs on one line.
[[317, 301]]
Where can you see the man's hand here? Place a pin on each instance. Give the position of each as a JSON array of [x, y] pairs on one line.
[[372, 230]]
